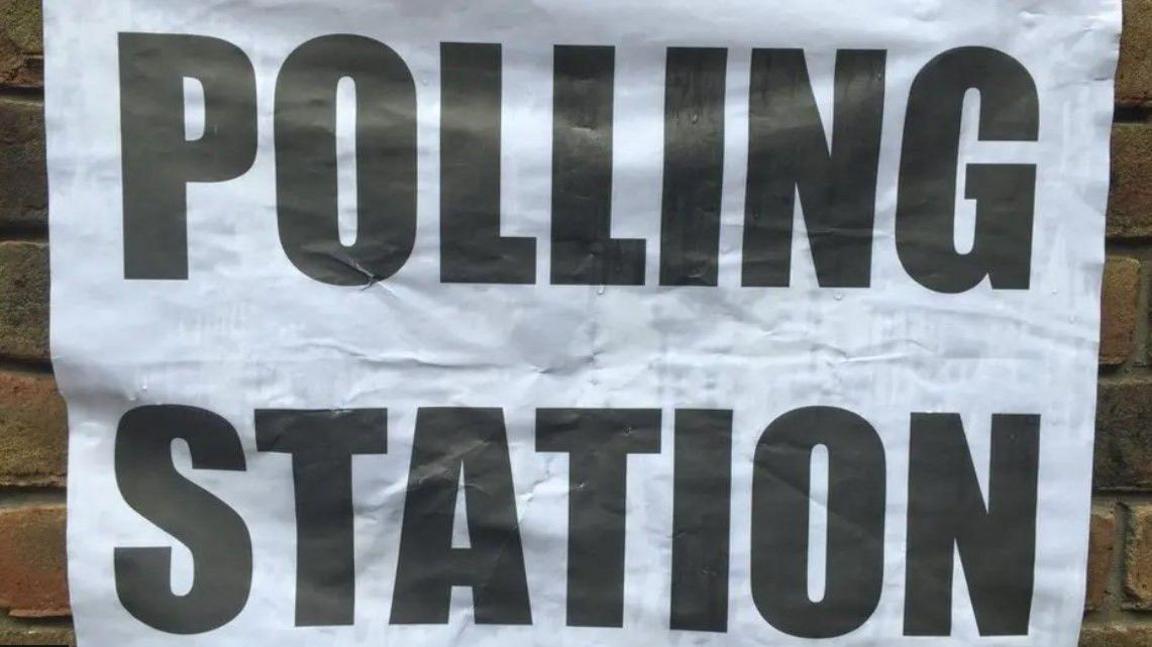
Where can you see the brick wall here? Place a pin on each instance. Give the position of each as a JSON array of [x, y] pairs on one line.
[[33, 445], [33, 588]]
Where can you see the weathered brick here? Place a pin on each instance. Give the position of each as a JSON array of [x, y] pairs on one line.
[[1130, 200], [1116, 635], [1119, 305], [1134, 76], [23, 174], [1124, 435], [24, 300], [19, 631], [21, 44], [1138, 558], [33, 430], [32, 561], [1102, 541]]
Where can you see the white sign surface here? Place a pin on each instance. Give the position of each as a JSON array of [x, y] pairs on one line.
[[578, 323]]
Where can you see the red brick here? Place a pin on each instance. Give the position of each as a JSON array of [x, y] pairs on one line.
[[1119, 305], [1123, 458], [24, 295], [23, 176], [32, 561], [1100, 551], [1115, 635], [33, 430], [21, 44], [1134, 75], [1130, 200]]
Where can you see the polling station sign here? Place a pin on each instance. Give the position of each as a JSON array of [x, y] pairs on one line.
[[531, 322]]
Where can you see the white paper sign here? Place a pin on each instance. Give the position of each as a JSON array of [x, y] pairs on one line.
[[530, 322]]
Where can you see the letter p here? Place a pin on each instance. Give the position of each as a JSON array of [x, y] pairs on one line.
[[158, 159]]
